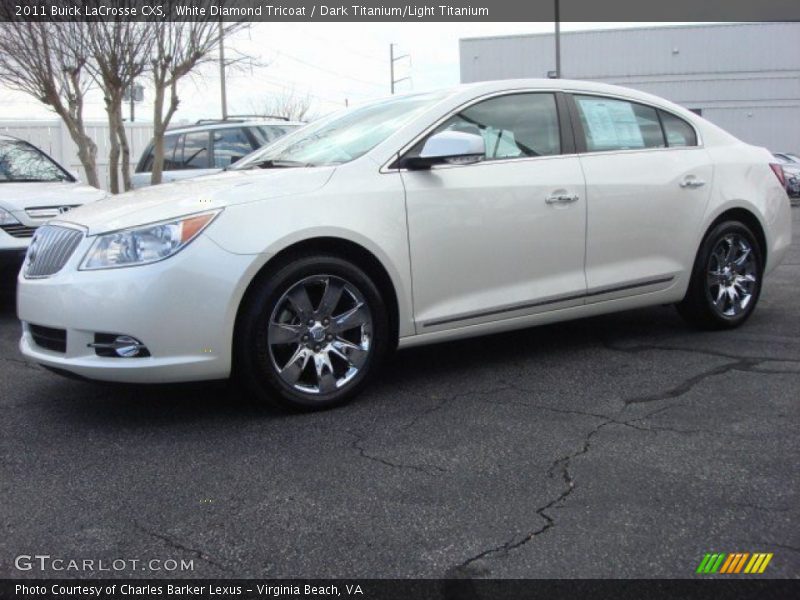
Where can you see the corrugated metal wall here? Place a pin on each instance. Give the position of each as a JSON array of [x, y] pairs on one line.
[[745, 77]]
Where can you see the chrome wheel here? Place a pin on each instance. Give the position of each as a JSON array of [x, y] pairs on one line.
[[732, 275], [319, 334]]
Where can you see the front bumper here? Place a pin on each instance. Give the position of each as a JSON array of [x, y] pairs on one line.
[[183, 309]]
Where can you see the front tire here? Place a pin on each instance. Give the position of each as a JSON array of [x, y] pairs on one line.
[[726, 279], [312, 334]]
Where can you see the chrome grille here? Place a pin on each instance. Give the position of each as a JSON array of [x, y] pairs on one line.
[[50, 250]]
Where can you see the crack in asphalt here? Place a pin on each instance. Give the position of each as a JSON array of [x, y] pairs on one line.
[[640, 348], [358, 446], [20, 362], [467, 568], [173, 543], [764, 508]]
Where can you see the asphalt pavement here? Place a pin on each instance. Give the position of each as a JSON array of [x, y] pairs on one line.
[[621, 446]]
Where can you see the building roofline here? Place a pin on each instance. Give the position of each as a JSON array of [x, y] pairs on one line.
[[621, 29]]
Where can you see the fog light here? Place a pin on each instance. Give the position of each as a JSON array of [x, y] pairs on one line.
[[118, 346]]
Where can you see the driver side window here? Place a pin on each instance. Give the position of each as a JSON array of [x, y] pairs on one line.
[[512, 126]]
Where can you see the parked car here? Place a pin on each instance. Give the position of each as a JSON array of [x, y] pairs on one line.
[[210, 146], [509, 204], [791, 170], [33, 189]]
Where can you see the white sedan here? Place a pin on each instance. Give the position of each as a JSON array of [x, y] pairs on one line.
[[33, 189], [412, 220]]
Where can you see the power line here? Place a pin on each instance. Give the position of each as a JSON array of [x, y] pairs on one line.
[[326, 70]]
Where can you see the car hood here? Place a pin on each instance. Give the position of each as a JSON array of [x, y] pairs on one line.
[[22, 195], [171, 200]]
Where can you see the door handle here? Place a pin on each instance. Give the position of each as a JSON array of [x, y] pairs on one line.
[[690, 181], [561, 199]]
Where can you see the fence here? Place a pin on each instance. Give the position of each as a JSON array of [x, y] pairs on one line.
[[53, 137]]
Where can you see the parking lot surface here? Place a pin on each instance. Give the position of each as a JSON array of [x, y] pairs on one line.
[[622, 446]]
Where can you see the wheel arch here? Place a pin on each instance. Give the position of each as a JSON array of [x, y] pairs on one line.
[[342, 248], [748, 218]]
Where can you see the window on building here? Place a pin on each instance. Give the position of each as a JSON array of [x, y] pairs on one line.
[[611, 124]]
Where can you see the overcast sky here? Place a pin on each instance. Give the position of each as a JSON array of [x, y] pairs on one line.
[[330, 62]]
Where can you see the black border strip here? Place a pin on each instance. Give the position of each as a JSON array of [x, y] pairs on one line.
[[516, 307]]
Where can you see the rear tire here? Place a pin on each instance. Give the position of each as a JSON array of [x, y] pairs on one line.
[[726, 278], [311, 335]]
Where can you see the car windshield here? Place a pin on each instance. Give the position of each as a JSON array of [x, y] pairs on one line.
[[19, 161], [342, 137]]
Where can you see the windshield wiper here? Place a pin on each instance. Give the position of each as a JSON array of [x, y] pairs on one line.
[[279, 164]]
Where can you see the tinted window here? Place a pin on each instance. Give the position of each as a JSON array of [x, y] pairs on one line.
[[173, 145], [19, 161], [146, 164], [195, 150], [229, 146], [611, 124], [269, 133], [678, 131], [512, 126]]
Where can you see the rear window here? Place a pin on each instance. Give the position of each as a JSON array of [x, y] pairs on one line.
[[612, 124], [677, 131]]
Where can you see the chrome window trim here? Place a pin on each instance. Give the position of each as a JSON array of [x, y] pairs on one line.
[[653, 106], [385, 167], [512, 92]]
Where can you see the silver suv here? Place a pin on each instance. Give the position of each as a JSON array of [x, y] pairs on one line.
[[211, 145]]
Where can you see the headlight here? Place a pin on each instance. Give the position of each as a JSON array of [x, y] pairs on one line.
[[6, 218], [145, 244]]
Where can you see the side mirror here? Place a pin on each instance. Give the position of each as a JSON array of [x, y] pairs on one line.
[[448, 147]]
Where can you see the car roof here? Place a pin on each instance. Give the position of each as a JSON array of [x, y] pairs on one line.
[[233, 123]]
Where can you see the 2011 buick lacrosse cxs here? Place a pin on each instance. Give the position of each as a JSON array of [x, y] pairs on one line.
[[412, 220]]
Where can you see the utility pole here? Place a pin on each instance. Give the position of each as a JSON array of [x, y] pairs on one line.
[[222, 72], [133, 115], [558, 40], [393, 59]]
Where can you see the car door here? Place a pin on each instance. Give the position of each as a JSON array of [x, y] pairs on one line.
[[503, 237], [647, 186]]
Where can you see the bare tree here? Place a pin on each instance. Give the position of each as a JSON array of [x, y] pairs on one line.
[[179, 48], [120, 49], [49, 62], [288, 103]]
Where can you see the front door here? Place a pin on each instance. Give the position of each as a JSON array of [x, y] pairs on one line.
[[504, 237]]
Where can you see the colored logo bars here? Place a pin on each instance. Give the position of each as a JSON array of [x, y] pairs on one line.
[[734, 563]]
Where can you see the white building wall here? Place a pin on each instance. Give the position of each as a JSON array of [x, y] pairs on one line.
[[743, 76], [53, 138]]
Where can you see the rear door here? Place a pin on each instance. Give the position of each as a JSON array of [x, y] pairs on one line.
[[647, 184]]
